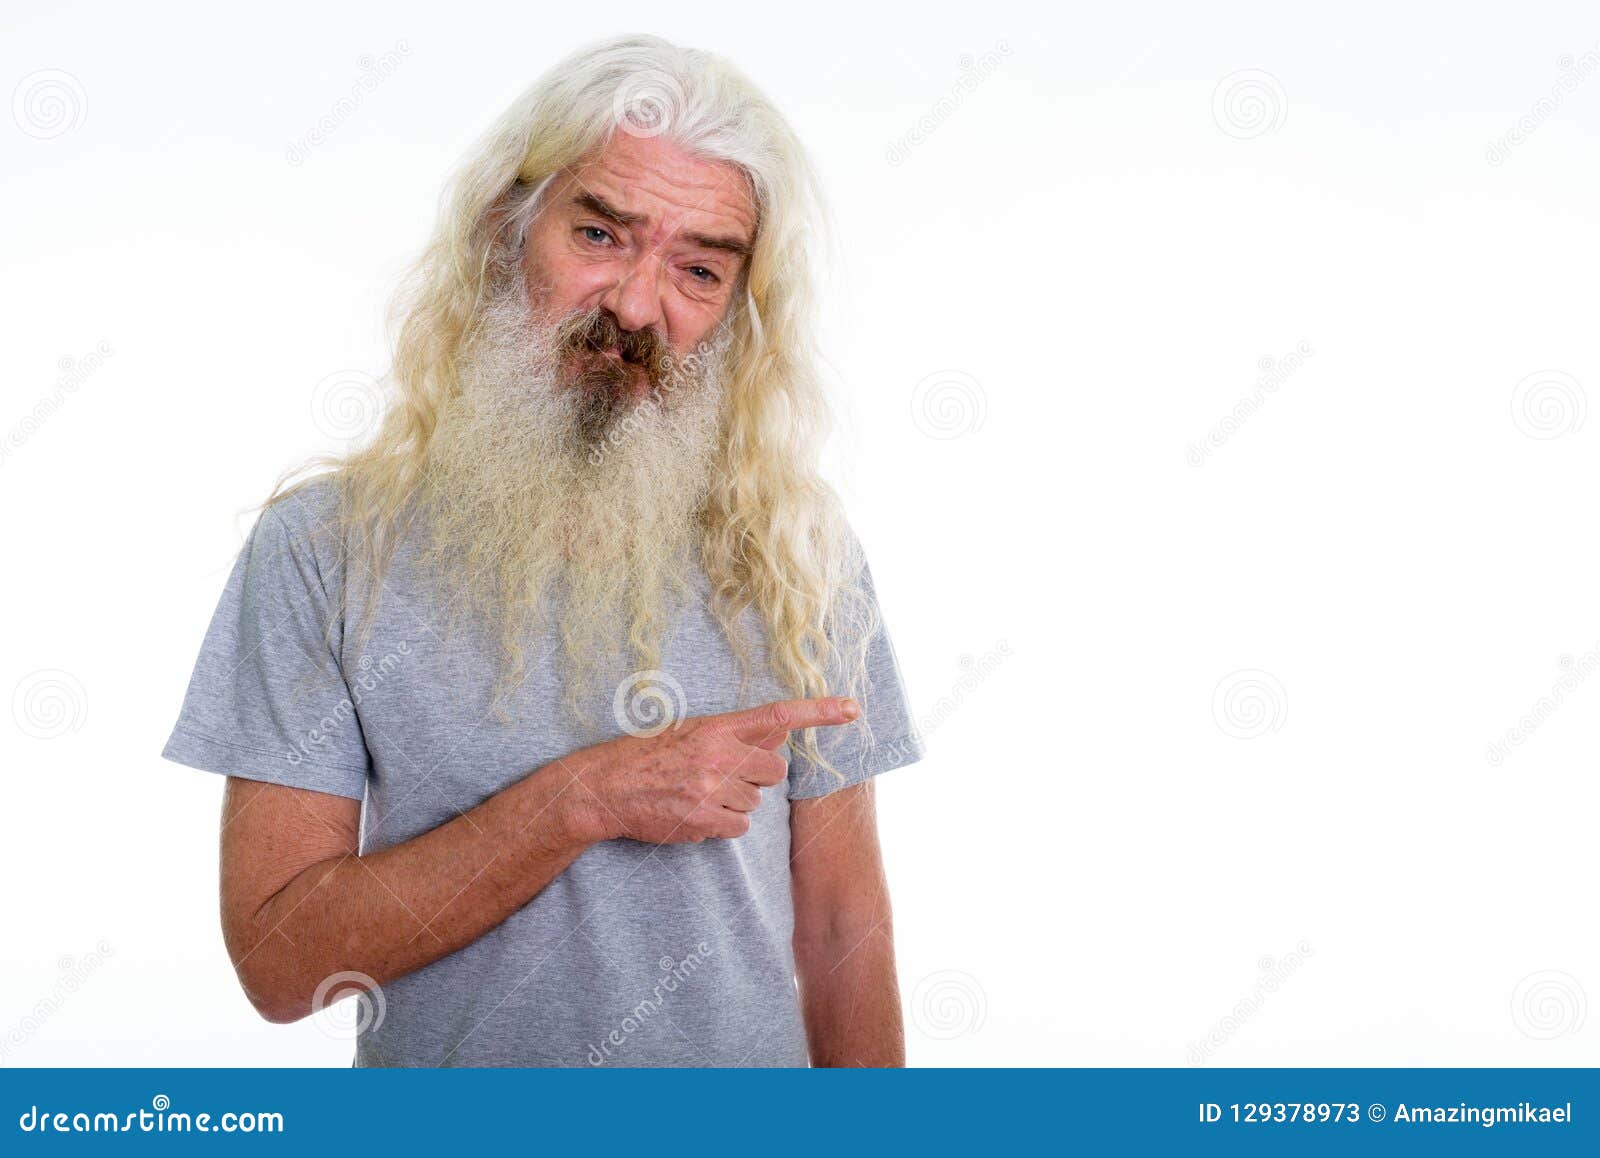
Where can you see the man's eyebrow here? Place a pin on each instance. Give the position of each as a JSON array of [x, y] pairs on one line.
[[599, 208], [730, 244]]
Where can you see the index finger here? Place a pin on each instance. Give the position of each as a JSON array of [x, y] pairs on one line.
[[769, 725]]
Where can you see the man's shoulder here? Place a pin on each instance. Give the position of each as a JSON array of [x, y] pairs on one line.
[[303, 519], [306, 508]]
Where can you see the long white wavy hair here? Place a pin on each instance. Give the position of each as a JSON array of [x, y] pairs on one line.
[[772, 533]]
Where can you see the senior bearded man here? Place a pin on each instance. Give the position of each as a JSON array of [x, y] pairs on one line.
[[549, 717]]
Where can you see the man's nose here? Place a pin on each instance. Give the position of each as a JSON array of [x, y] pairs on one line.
[[635, 301]]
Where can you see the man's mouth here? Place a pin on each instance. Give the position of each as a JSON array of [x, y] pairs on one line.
[[609, 354]]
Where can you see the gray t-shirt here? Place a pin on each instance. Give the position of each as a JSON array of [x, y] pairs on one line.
[[637, 954]]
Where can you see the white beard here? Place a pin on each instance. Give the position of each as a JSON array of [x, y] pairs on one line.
[[526, 516]]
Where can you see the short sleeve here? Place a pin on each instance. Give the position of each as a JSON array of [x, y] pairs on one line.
[[884, 738], [268, 699]]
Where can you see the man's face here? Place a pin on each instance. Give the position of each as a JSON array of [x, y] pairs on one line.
[[653, 241]]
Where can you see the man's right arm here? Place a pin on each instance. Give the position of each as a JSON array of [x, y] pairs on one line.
[[300, 904]]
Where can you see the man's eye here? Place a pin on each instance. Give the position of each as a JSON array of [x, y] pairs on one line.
[[701, 273], [595, 234]]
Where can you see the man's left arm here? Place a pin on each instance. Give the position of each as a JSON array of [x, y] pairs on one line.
[[843, 936]]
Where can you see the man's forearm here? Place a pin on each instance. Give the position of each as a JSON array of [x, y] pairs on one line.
[[850, 998], [395, 911]]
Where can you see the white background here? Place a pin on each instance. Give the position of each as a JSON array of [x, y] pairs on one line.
[[1105, 857]]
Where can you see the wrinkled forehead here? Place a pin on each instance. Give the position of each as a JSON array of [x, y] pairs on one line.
[[672, 193]]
